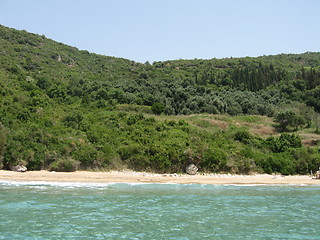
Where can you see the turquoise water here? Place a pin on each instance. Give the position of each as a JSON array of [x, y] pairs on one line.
[[158, 211]]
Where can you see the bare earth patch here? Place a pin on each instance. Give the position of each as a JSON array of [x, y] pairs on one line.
[[310, 139], [263, 130], [220, 124]]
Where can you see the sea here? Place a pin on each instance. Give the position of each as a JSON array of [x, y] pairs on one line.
[[49, 210]]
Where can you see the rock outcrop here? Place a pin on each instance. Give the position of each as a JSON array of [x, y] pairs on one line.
[[19, 168], [191, 169]]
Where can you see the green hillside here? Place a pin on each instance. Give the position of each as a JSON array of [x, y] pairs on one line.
[[66, 109]]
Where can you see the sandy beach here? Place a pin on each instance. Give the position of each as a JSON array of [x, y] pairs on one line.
[[143, 177]]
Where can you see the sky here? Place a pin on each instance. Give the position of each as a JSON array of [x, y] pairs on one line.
[[158, 30]]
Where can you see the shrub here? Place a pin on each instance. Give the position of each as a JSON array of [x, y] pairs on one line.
[[243, 136], [64, 165], [126, 152], [73, 120], [284, 142], [133, 119], [159, 158], [280, 163], [244, 166], [306, 160], [3, 142], [183, 123], [86, 155], [214, 159]]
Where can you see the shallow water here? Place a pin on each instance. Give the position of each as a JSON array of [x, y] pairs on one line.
[[43, 210]]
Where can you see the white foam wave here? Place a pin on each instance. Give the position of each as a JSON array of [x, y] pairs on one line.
[[74, 184], [109, 184]]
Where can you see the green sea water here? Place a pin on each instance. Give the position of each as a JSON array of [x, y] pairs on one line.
[[42, 210]]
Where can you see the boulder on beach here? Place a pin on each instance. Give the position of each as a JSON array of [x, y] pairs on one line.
[[191, 169], [19, 168]]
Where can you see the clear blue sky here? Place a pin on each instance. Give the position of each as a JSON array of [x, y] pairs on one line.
[[154, 30]]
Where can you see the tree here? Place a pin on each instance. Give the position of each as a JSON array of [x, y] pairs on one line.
[[157, 108], [289, 119]]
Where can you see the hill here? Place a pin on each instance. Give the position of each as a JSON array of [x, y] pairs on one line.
[[65, 109]]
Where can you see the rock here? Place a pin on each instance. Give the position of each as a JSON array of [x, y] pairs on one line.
[[191, 169], [58, 58], [19, 168], [318, 174]]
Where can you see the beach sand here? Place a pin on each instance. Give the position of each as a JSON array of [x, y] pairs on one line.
[[143, 177]]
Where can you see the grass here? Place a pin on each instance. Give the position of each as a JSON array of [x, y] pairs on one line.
[[261, 126]]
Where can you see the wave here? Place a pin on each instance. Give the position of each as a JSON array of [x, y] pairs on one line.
[[62, 184], [12, 183]]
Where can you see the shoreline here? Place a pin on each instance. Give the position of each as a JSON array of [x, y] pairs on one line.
[[145, 177]]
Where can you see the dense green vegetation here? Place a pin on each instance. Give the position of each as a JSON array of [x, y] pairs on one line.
[[66, 109]]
